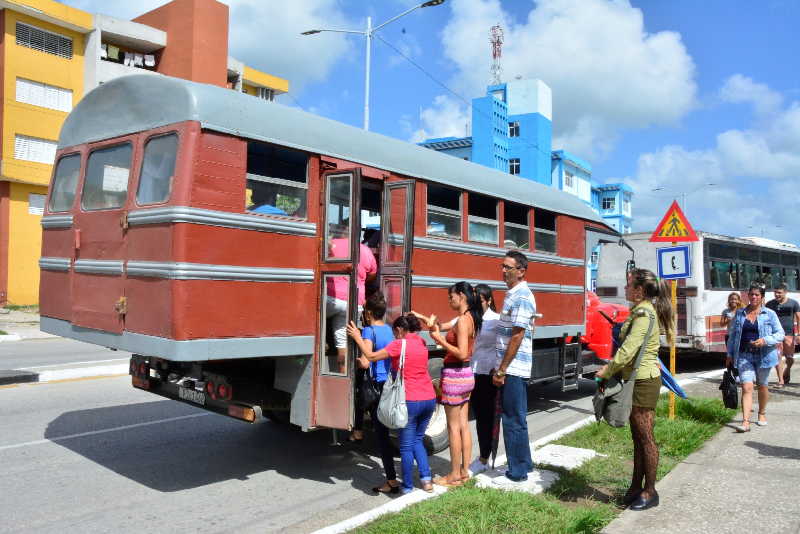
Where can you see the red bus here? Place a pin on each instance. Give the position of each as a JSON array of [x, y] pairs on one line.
[[152, 245]]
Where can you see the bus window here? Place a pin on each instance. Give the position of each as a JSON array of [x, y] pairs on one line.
[[770, 276], [516, 225], [444, 212], [65, 182], [482, 218], [723, 275], [277, 180], [158, 168], [544, 223], [748, 274], [106, 182], [790, 278], [337, 217]]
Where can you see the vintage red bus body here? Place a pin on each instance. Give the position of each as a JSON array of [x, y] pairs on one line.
[[199, 278]]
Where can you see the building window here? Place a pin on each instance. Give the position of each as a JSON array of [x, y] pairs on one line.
[[43, 95], [626, 229], [36, 204], [595, 257], [569, 179], [608, 203], [626, 204], [266, 93], [513, 129], [34, 149], [516, 226], [444, 212], [513, 166], [544, 230], [277, 181], [482, 218], [65, 182], [44, 41]]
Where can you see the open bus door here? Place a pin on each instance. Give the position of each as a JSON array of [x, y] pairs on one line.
[[397, 242], [338, 304]]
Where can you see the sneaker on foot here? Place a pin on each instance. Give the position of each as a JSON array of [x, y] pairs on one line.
[[477, 467], [505, 482]]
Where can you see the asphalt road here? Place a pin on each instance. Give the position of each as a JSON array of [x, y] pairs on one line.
[[48, 352], [96, 455]]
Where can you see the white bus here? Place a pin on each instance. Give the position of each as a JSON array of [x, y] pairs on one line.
[[719, 265]]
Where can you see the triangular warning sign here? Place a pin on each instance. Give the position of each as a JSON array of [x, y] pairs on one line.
[[674, 227]]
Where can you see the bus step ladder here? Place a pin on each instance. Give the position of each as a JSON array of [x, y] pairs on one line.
[[569, 377]]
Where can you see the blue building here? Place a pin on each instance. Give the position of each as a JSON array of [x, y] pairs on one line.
[[512, 131]]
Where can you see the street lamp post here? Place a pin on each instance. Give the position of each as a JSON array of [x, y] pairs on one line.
[[368, 33], [684, 193]]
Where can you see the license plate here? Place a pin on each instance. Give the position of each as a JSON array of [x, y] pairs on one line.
[[197, 397]]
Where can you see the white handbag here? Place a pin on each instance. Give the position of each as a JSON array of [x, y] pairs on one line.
[[392, 409]]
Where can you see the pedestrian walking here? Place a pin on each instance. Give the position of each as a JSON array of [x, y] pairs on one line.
[[788, 312], [513, 364], [752, 349], [734, 303], [420, 397], [650, 299]]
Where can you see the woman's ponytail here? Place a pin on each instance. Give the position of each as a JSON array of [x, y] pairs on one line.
[[657, 291]]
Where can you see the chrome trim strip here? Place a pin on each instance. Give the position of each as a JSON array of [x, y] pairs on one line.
[[54, 264], [185, 351], [443, 282], [199, 271], [99, 266], [57, 221], [493, 252], [186, 214]]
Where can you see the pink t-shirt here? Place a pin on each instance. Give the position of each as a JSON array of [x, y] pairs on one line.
[[338, 287], [415, 371]]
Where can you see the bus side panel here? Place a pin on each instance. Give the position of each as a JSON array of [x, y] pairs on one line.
[[57, 289], [571, 237], [58, 242], [218, 177], [149, 306], [223, 308], [559, 308]]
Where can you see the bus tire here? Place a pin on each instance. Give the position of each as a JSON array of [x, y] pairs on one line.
[[436, 438]]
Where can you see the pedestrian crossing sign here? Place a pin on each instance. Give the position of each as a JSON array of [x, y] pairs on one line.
[[674, 227]]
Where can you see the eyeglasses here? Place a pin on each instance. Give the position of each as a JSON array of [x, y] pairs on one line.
[[508, 267]]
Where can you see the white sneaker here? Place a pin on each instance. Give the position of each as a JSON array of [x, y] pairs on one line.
[[477, 467], [505, 482]]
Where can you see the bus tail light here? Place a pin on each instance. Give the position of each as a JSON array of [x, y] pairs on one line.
[[224, 391], [211, 389]]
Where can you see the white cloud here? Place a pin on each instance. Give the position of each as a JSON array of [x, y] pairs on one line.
[[606, 71], [755, 172], [445, 118], [266, 34], [739, 88]]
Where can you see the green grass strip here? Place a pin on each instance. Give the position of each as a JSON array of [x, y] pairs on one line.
[[3, 333], [582, 501]]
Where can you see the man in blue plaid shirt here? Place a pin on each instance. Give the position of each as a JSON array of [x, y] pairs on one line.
[[513, 369]]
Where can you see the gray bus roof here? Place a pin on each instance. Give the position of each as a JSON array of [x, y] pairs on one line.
[[140, 102]]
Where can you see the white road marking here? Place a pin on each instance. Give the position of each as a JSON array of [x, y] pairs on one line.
[[104, 431], [83, 372], [416, 496], [76, 363]]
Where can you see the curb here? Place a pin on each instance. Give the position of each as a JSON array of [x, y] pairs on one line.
[[21, 376], [10, 337]]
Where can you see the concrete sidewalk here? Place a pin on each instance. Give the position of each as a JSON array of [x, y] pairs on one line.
[[735, 482], [20, 325]]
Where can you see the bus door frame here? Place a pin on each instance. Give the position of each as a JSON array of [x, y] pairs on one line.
[[397, 271], [331, 389]]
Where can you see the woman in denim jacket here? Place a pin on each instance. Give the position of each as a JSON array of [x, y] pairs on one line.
[[752, 349]]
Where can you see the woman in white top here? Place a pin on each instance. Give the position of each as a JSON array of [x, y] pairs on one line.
[[734, 303], [484, 395]]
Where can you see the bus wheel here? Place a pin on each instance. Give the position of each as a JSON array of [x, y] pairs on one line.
[[436, 439]]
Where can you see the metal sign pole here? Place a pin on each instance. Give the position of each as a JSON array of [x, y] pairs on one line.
[[674, 300]]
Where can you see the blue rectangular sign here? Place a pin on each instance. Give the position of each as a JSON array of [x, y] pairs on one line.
[[674, 262]]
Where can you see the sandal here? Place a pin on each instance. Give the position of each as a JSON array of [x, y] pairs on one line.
[[386, 488], [442, 481], [427, 486], [742, 428], [759, 422]]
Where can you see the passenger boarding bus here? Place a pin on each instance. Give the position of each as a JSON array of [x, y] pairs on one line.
[[189, 224], [719, 265]]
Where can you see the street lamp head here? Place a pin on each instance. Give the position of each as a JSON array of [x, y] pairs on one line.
[[311, 32], [431, 3]]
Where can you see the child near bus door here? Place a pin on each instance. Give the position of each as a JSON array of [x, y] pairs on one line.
[[457, 378], [420, 397]]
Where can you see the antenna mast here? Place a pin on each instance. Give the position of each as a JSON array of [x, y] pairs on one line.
[[496, 39]]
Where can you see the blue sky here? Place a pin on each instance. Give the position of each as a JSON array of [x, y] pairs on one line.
[[660, 94]]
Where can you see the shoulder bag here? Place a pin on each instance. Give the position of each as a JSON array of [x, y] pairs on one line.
[[392, 409], [613, 402], [368, 392], [730, 394]]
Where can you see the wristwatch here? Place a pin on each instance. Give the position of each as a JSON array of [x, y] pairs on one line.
[[499, 373]]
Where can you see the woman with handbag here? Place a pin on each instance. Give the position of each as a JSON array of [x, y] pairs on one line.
[[752, 349], [376, 335], [650, 299], [409, 357]]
